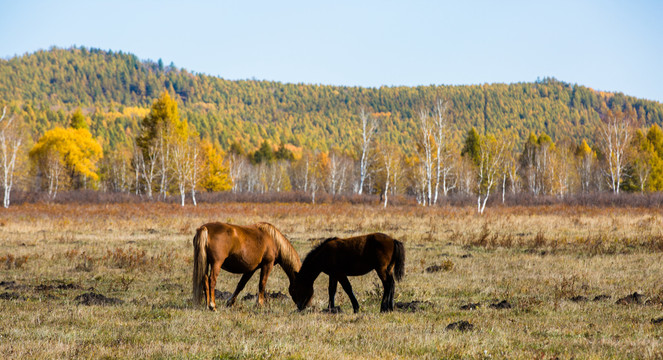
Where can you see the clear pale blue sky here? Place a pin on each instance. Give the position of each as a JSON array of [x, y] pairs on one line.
[[606, 45]]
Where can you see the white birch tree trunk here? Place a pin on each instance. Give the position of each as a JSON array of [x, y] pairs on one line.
[[441, 123], [10, 142], [426, 144], [369, 127], [615, 132]]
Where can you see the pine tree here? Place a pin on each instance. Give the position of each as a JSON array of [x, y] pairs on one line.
[[78, 121], [472, 146]]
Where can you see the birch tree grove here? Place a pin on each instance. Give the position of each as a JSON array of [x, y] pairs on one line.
[[193, 175], [237, 165], [390, 159], [426, 150], [561, 169], [155, 141], [585, 165], [491, 153], [10, 142], [184, 158], [115, 172], [164, 141], [509, 166], [443, 163], [642, 157], [614, 134], [339, 169], [146, 161], [369, 127], [314, 177]]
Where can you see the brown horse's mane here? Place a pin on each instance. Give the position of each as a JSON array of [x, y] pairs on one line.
[[290, 261]]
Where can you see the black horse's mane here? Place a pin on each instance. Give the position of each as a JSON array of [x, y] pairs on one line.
[[315, 251]]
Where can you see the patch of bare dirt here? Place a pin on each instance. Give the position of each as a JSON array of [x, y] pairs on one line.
[[601, 297], [634, 298], [6, 284], [269, 295], [222, 295], [460, 326], [470, 306], [12, 285], [278, 296], [11, 296], [169, 286], [413, 306], [334, 310], [501, 305], [656, 300], [65, 286], [92, 298]]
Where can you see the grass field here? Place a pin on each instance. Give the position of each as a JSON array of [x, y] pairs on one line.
[[548, 263]]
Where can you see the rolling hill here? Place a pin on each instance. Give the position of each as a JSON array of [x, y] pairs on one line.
[[115, 89]]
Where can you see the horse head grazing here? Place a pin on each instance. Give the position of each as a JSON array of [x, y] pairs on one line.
[[301, 294], [301, 290]]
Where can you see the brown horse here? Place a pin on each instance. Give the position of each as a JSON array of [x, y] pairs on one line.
[[239, 250], [340, 258]]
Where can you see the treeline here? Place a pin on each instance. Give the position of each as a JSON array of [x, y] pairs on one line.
[[168, 156], [115, 90]]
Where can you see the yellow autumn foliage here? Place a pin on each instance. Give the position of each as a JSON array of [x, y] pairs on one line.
[[585, 150], [76, 149], [215, 176]]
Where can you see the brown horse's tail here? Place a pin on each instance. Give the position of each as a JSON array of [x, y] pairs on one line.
[[199, 263], [399, 260]]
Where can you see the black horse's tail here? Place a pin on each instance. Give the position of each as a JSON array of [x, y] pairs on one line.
[[399, 260]]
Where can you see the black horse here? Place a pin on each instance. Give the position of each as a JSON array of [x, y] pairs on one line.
[[340, 258]]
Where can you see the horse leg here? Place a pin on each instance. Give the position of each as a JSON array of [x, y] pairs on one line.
[[264, 274], [332, 291], [240, 286], [392, 292], [345, 283], [216, 268], [206, 288], [388, 284], [388, 296]]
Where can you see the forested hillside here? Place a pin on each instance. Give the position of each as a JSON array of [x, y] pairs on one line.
[[115, 90]]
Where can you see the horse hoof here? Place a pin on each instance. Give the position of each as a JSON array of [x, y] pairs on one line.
[[212, 308]]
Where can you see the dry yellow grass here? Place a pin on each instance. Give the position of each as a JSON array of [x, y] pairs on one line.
[[536, 259]]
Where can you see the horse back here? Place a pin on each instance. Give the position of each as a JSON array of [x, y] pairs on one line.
[[358, 255], [241, 246]]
